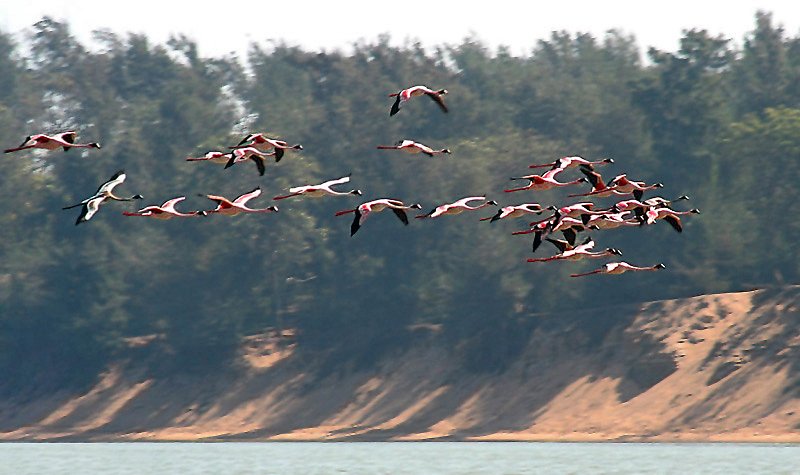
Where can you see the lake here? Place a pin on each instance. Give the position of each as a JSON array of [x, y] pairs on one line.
[[396, 458]]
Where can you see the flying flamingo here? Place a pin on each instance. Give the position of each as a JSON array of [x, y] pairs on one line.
[[165, 211], [263, 143], [544, 182], [581, 251], [323, 189], [516, 211], [364, 210], [609, 220], [105, 192], [574, 161], [212, 156], [667, 214], [52, 142], [619, 268], [250, 153], [406, 94], [411, 146], [457, 207], [619, 185], [238, 205]]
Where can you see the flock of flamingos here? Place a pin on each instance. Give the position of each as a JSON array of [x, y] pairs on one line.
[[569, 220]]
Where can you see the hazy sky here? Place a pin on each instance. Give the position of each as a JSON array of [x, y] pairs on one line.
[[220, 27]]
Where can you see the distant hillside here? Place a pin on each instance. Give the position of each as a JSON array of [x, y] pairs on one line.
[[722, 367]]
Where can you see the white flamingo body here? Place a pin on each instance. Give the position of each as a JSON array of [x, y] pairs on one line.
[[516, 211], [318, 191], [458, 207], [615, 268], [91, 205]]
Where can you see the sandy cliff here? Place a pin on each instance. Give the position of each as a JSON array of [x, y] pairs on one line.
[[715, 367]]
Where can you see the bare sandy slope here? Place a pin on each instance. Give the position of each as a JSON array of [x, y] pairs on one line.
[[714, 368]]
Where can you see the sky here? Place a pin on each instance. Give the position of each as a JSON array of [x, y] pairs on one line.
[[220, 27]]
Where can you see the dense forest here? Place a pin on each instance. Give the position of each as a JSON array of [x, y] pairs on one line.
[[716, 122]]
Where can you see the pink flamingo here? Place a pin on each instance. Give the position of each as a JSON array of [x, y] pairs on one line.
[[457, 207], [574, 161], [516, 211], [669, 215], [250, 153], [406, 94], [619, 268], [52, 142], [411, 146], [165, 211], [544, 182], [264, 144], [364, 210], [581, 251], [212, 156], [238, 205]]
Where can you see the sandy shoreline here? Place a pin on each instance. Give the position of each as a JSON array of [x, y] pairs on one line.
[[713, 368]]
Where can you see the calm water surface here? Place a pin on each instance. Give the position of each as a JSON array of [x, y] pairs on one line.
[[413, 458]]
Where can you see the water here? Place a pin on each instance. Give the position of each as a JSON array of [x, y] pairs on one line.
[[399, 458]]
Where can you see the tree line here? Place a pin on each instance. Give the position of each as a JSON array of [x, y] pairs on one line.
[[716, 122]]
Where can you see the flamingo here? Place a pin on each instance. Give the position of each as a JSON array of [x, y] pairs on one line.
[[516, 211], [165, 211], [609, 220], [213, 156], [568, 226], [238, 205], [52, 142], [582, 251], [619, 185], [250, 153], [323, 189], [457, 207], [544, 182], [576, 210], [574, 161], [364, 210], [411, 146], [105, 192], [406, 94], [619, 268], [667, 214], [263, 143]]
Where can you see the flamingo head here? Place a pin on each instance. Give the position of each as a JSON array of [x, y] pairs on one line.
[[694, 211], [94, 145], [659, 266], [416, 206], [614, 251], [137, 197], [442, 91], [492, 202], [608, 160], [356, 192]]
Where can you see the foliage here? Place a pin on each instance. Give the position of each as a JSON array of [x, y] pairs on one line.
[[719, 124]]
